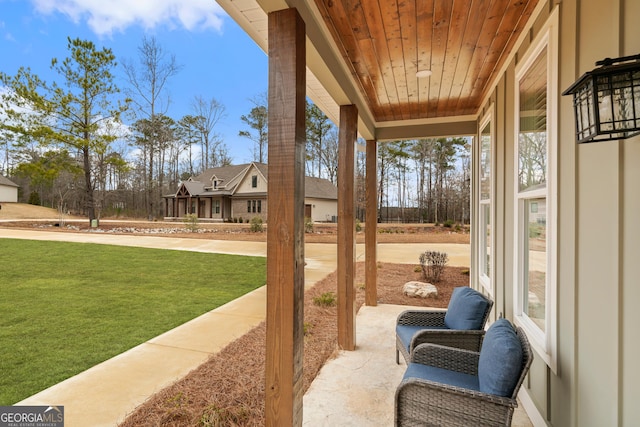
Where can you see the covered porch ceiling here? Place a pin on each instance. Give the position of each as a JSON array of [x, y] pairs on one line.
[[367, 53]]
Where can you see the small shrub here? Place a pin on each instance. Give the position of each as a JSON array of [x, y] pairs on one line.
[[358, 226], [191, 222], [432, 264], [308, 225], [418, 269], [327, 299], [214, 416], [240, 220], [256, 225], [306, 328], [448, 223]]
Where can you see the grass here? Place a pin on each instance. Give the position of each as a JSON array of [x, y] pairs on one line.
[[65, 307]]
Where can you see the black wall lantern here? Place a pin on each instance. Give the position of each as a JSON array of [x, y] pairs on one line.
[[606, 100]]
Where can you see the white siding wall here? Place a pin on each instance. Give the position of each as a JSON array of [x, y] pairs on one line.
[[8, 194], [322, 210]]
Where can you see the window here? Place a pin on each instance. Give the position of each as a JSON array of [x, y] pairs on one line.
[[535, 194], [216, 206], [254, 181], [248, 206], [259, 206], [485, 212]]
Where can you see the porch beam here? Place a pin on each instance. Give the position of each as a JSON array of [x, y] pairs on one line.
[[371, 225], [346, 227], [285, 236]]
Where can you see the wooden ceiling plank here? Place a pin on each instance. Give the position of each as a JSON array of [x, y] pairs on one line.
[[391, 23], [376, 85], [337, 22], [487, 35], [424, 18], [380, 47], [457, 26], [477, 16], [515, 19], [441, 20], [409, 30]]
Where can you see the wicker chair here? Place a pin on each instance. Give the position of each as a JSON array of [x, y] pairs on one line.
[[443, 386], [460, 326]]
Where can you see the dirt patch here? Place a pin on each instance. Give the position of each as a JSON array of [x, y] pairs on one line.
[[228, 389]]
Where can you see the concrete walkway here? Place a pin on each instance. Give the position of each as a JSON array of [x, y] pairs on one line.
[[104, 394]]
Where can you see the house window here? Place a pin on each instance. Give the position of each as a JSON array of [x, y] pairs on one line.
[[485, 212], [248, 206], [215, 184], [216, 206], [259, 206], [254, 181], [535, 194]]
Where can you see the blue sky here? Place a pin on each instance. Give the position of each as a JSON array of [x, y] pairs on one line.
[[218, 59]]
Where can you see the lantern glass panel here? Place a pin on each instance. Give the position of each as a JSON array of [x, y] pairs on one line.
[[622, 101], [605, 109]]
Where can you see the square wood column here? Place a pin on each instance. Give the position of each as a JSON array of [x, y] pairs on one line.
[[371, 226], [285, 235], [346, 227]]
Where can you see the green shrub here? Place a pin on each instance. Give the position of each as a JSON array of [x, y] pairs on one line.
[[191, 222], [433, 263], [327, 299], [308, 225], [256, 224], [358, 226], [448, 223]]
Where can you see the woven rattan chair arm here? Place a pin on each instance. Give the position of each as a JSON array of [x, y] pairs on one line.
[[467, 340], [452, 359], [426, 318]]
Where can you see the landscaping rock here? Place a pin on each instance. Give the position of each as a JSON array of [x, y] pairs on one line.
[[420, 289]]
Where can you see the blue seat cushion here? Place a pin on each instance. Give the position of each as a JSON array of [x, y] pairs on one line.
[[442, 376], [467, 308], [406, 332], [500, 361]]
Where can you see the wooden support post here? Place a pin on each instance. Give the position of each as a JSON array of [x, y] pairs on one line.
[[346, 227], [371, 226], [285, 236]]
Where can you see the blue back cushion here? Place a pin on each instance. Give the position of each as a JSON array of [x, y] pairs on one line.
[[500, 360], [466, 309]]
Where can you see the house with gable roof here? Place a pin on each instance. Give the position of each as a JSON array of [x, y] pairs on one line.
[[240, 191]]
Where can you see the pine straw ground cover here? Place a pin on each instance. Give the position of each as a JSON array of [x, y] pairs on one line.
[[228, 389]]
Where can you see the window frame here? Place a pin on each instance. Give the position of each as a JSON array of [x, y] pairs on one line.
[[544, 342], [486, 281]]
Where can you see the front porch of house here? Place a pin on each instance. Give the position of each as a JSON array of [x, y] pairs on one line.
[[357, 388]]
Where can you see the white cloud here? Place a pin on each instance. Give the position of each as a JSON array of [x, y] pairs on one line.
[[106, 16]]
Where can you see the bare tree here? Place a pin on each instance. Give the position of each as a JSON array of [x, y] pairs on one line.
[[209, 113], [148, 88]]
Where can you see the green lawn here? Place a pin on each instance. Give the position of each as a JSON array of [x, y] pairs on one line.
[[65, 307]]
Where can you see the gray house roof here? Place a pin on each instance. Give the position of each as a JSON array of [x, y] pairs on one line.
[[228, 177], [7, 182]]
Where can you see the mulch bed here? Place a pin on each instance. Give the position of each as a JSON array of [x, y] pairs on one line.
[[228, 389]]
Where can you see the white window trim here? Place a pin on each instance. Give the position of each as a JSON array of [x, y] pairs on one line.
[[487, 282], [545, 344]]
